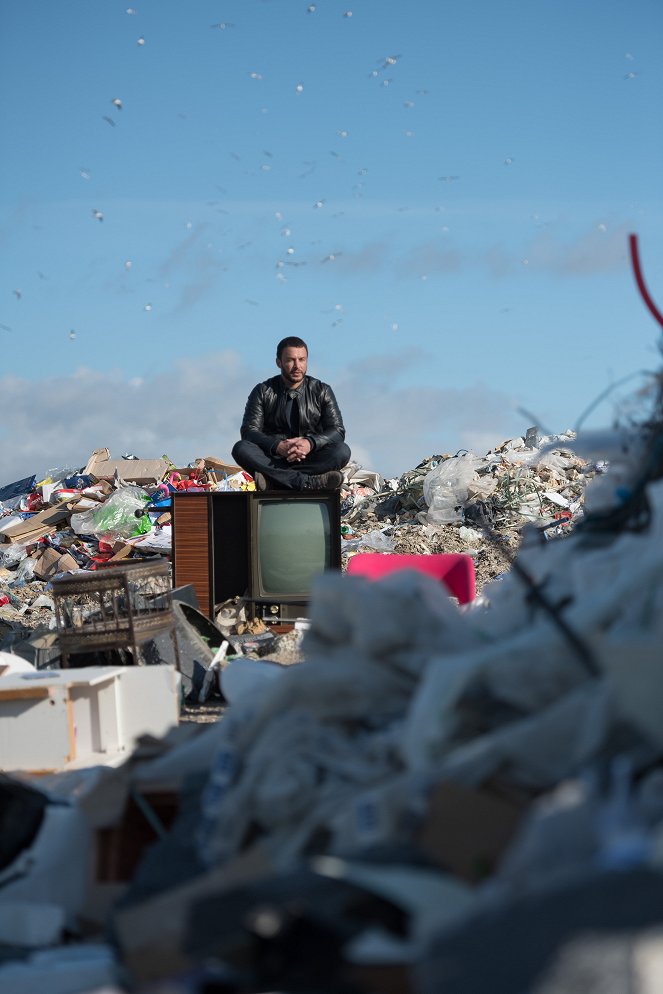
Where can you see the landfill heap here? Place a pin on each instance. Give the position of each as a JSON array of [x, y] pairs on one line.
[[111, 511], [437, 799], [478, 505]]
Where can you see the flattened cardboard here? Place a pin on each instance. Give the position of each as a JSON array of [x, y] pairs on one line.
[[43, 523], [120, 551], [219, 466]]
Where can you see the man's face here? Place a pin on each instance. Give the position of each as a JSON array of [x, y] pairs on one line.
[[293, 365]]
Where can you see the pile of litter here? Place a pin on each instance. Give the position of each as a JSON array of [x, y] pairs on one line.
[[436, 799], [105, 514], [471, 504], [113, 510]]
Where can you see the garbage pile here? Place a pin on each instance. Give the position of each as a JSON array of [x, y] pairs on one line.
[[110, 511], [478, 505], [436, 799], [107, 513]]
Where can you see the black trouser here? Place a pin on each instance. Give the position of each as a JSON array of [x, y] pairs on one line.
[[291, 475]]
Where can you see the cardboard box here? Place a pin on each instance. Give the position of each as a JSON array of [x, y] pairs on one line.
[[52, 562], [466, 830]]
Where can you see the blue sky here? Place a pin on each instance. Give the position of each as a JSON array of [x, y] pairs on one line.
[[436, 196]]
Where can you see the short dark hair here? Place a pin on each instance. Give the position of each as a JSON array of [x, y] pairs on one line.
[[291, 342]]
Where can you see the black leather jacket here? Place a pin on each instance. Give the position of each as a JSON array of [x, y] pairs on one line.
[[265, 421]]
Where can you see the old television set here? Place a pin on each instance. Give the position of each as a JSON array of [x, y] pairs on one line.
[[292, 539], [266, 547]]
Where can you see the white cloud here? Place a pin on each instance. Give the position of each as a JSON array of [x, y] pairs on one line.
[[602, 249]]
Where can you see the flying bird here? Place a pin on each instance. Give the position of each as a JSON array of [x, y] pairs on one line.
[[97, 215], [116, 102], [109, 120]]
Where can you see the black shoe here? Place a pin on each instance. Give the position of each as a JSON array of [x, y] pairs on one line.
[[260, 482], [332, 480]]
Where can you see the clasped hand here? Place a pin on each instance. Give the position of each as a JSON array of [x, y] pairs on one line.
[[294, 449]]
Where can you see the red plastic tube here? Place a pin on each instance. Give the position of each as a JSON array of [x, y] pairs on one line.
[[639, 279]]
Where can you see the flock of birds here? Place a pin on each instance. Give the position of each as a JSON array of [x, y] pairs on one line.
[[383, 65]]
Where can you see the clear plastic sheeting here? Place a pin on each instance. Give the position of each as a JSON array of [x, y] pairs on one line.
[[446, 488], [12, 555]]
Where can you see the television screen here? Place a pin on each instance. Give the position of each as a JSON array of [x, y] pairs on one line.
[[293, 543]]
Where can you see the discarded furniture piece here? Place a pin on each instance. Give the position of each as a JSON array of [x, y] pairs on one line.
[[114, 609], [454, 569], [54, 720]]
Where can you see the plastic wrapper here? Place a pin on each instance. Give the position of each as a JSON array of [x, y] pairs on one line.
[[116, 517]]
